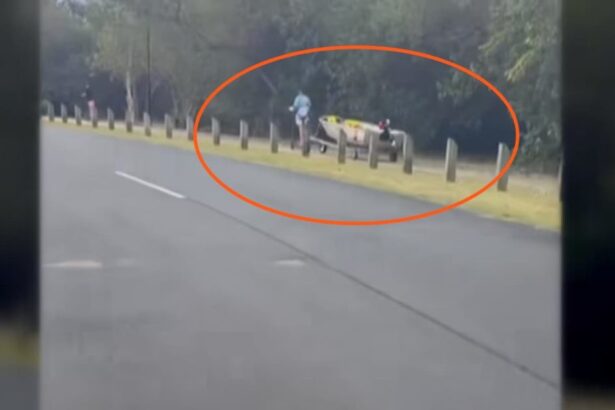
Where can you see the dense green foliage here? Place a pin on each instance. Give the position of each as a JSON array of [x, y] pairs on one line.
[[196, 44], [66, 45]]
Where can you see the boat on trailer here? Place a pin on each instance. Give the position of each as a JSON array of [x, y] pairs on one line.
[[358, 134]]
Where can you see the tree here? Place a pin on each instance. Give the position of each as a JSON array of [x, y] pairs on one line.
[[196, 44], [121, 45], [521, 55], [525, 35], [66, 46]]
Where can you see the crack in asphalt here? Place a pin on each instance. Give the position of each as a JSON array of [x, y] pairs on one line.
[[400, 303]]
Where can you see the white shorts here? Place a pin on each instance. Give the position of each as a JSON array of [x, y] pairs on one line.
[[300, 120]]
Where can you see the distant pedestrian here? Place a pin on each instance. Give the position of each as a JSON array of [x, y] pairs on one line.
[[385, 130], [89, 97], [301, 107]]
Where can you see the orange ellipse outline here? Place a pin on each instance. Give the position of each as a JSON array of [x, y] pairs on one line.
[[346, 47]]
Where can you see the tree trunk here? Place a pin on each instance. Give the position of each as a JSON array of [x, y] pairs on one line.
[[130, 102], [130, 97], [135, 101], [176, 102]]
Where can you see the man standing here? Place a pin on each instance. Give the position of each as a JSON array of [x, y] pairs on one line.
[[90, 100], [301, 108]]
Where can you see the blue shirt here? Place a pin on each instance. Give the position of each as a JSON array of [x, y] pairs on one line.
[[302, 105]]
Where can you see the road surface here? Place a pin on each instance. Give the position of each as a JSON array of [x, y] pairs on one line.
[[162, 291]]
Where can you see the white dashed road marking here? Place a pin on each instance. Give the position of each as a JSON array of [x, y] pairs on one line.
[[150, 185]]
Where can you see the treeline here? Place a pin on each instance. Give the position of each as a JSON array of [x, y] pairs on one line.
[[184, 48]]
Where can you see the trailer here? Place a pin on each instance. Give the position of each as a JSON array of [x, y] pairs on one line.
[[357, 132]]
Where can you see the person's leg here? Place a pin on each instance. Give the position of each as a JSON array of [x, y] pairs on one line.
[[300, 127], [302, 134]]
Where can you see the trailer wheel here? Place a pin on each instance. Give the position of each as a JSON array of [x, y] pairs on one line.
[[322, 148]]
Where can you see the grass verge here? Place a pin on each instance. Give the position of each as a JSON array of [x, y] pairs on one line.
[[525, 202], [18, 347]]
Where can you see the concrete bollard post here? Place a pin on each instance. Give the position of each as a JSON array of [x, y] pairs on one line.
[[189, 127], [305, 147], [408, 153], [450, 162], [243, 134], [373, 149], [215, 131], [503, 155], [341, 147], [147, 124], [78, 115], [51, 112], [94, 117], [274, 137], [130, 118], [64, 113], [110, 119], [168, 125]]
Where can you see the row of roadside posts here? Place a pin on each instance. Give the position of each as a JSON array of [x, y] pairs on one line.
[[450, 163], [129, 120]]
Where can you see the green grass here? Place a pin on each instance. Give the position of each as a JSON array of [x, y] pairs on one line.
[[18, 347], [529, 201], [589, 401]]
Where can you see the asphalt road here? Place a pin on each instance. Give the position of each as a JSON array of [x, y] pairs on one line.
[[162, 291], [18, 387]]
